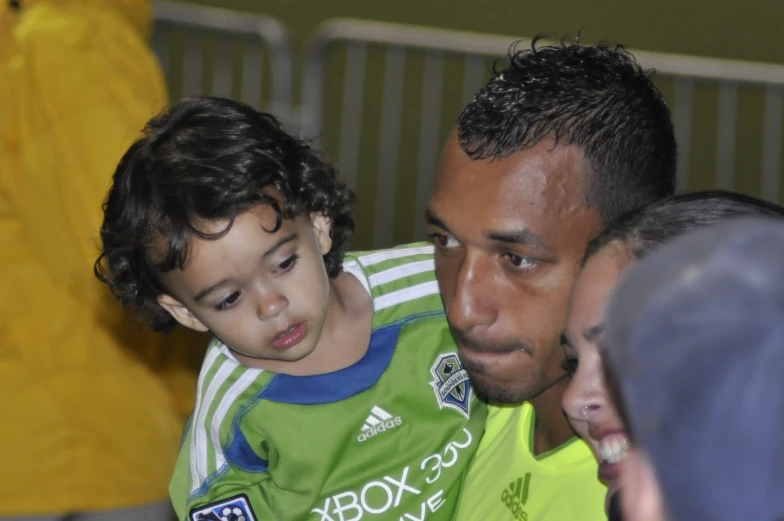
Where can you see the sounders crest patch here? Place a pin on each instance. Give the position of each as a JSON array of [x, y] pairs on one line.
[[236, 508], [451, 384]]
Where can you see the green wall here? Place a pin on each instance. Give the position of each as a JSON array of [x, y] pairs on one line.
[[746, 30], [725, 29]]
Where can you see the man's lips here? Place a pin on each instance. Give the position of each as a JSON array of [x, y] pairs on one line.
[[491, 352]]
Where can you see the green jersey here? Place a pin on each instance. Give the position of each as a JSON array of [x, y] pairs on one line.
[[387, 438], [506, 482]]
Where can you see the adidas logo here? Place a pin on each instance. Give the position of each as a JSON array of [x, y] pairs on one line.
[[377, 422], [515, 496]]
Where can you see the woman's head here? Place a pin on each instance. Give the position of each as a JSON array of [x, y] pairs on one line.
[[589, 402], [695, 336]]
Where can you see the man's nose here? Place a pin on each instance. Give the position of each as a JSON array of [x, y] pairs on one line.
[[472, 304]]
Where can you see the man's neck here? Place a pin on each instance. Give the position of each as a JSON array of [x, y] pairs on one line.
[[552, 429]]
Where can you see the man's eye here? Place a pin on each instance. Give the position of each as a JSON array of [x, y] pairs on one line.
[[521, 262], [443, 240], [228, 302]]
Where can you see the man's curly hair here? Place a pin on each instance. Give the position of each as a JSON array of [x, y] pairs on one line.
[[207, 159], [596, 97]]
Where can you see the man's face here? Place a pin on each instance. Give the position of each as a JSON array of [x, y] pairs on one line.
[[509, 235]]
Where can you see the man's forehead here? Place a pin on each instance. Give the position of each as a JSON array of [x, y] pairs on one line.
[[538, 187], [544, 170]]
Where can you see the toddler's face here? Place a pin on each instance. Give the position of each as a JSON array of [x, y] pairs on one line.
[[265, 295]]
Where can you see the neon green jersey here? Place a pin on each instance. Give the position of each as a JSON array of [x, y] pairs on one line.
[[506, 482], [387, 438]]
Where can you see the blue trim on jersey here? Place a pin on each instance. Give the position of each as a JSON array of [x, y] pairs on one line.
[[339, 385], [242, 455], [211, 480]]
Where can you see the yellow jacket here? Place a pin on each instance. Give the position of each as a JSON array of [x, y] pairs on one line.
[[88, 416]]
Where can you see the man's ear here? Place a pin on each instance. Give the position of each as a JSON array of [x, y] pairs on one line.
[[322, 228], [181, 313]]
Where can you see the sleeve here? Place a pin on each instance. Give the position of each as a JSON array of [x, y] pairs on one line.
[[234, 501], [241, 488]]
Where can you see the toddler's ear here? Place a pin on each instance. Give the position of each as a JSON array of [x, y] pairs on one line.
[[180, 313], [322, 226]]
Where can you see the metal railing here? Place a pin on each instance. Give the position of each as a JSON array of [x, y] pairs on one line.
[[729, 74], [227, 53], [397, 41], [222, 52]]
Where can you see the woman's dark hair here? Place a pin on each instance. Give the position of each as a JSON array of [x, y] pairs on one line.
[[641, 231], [207, 159]]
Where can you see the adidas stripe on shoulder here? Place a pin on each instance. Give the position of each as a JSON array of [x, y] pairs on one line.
[[400, 280], [224, 385]]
